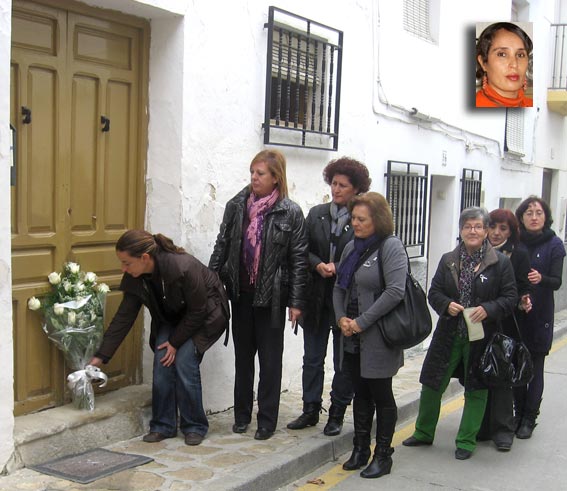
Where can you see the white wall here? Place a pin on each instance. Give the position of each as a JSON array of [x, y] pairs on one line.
[[207, 77], [6, 340]]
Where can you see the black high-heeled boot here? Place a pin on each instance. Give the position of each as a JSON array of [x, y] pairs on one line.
[[381, 463], [363, 411]]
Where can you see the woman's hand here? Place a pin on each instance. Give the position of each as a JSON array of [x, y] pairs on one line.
[[169, 357], [293, 316], [326, 270], [534, 276], [454, 309], [95, 361], [478, 314], [525, 303], [348, 326]]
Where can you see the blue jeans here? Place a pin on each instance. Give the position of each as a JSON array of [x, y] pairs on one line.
[[178, 385], [315, 342]]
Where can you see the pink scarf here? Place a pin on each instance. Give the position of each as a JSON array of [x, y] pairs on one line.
[[257, 208]]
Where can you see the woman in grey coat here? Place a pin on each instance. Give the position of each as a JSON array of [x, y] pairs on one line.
[[359, 300]]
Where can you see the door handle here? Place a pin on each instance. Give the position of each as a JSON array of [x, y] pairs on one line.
[[26, 113], [105, 122]]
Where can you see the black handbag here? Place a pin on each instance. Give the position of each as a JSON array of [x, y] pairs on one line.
[[506, 362], [409, 322]]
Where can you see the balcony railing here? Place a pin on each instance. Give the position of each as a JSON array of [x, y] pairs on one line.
[[558, 40]]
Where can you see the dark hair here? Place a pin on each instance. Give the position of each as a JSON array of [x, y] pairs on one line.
[[473, 213], [380, 212], [275, 161], [524, 205], [502, 215], [139, 242], [356, 172], [485, 39]]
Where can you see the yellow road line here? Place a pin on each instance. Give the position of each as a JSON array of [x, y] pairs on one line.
[[336, 474], [560, 343]]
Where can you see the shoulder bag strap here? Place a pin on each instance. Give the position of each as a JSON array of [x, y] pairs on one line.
[[380, 260]]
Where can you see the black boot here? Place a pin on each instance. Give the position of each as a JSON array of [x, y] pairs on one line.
[[335, 423], [309, 417], [527, 424], [385, 427], [363, 411]]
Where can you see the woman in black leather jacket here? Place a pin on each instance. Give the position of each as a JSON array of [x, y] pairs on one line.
[[261, 256]]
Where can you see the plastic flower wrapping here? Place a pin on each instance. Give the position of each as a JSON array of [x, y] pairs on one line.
[[74, 319]]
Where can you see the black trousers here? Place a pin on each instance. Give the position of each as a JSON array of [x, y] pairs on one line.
[[253, 332], [498, 421]]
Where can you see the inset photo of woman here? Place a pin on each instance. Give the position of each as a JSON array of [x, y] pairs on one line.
[[504, 64]]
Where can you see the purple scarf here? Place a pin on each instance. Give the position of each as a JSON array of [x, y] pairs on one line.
[[349, 263], [257, 209]]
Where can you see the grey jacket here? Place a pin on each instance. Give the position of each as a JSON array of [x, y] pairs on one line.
[[376, 359]]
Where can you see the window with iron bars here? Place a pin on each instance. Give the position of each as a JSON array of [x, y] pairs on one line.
[[406, 192], [303, 82], [471, 184]]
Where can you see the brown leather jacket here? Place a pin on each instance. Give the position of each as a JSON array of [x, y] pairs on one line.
[[192, 299]]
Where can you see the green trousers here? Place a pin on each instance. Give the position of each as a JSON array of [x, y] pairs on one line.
[[430, 404]]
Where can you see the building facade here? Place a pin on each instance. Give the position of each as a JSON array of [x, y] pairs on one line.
[[187, 100]]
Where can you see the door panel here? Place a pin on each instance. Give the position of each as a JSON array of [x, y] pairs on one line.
[[84, 153], [78, 188]]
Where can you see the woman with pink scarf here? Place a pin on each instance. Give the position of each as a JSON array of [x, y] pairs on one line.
[[261, 256]]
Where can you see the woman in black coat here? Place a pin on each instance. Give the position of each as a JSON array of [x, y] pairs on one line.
[[479, 279], [261, 256], [328, 230], [546, 252], [504, 236]]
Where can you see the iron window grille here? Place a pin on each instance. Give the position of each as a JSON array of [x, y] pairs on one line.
[[406, 192], [303, 82], [471, 184]]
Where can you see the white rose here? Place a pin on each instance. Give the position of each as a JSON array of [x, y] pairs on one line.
[[34, 303], [67, 286], [80, 286], [54, 278], [103, 288], [71, 317], [58, 309], [90, 277], [73, 268]]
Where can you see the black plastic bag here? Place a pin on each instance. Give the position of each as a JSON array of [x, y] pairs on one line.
[[505, 362]]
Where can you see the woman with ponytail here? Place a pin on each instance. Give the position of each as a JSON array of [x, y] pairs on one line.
[[189, 310]]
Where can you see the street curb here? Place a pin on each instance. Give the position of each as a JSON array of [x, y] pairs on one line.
[[273, 472]]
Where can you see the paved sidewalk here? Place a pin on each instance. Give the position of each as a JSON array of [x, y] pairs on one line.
[[227, 461]]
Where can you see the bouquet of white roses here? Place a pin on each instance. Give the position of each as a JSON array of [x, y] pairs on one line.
[[73, 319]]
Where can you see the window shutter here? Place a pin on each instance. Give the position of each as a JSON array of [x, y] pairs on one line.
[[416, 18], [515, 131]]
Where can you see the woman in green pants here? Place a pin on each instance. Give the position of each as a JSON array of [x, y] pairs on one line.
[[475, 277]]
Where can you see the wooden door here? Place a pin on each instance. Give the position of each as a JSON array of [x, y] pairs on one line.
[[81, 80]]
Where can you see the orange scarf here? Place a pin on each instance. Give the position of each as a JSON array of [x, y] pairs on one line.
[[488, 97]]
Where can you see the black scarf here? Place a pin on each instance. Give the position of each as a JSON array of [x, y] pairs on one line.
[[531, 240]]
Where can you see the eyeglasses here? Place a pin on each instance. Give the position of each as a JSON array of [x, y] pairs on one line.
[[476, 228], [538, 213]]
